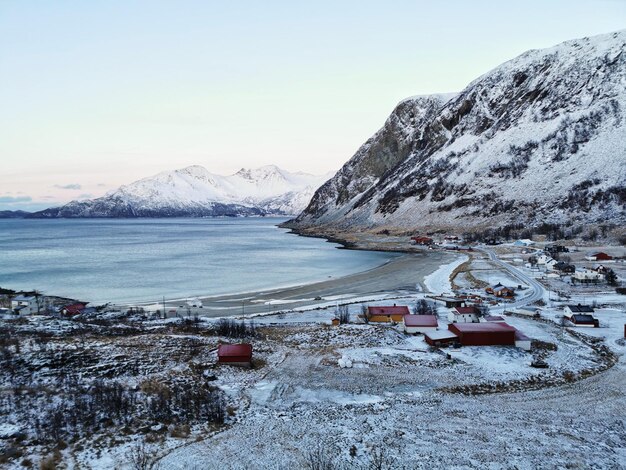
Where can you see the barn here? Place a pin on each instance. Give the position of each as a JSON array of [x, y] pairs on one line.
[[440, 337], [382, 314], [235, 354], [419, 323], [599, 256], [484, 334]]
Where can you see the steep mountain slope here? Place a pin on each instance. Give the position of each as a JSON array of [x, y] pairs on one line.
[[541, 138], [193, 191]]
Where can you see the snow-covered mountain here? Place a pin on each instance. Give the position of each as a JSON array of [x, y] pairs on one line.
[[193, 191], [539, 139]]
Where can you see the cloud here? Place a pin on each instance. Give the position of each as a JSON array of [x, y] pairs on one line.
[[85, 196], [15, 200], [68, 186]]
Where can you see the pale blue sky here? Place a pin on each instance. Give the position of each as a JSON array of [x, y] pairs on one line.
[[96, 94]]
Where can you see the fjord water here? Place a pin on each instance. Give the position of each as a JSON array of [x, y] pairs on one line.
[[142, 260]]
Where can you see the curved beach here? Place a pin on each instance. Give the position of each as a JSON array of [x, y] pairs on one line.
[[400, 276]]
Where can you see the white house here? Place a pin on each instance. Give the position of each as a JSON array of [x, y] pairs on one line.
[[587, 275], [463, 315], [570, 310], [24, 304], [419, 323]]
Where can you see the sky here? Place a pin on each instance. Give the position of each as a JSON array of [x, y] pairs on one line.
[[101, 93]]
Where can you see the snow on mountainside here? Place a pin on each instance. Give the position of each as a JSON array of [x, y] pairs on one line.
[[193, 191], [541, 138]]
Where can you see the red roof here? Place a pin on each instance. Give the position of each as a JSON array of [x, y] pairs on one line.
[[466, 310], [420, 320], [234, 350], [489, 327], [74, 309], [393, 310]]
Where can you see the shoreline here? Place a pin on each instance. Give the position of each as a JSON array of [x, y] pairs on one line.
[[402, 276]]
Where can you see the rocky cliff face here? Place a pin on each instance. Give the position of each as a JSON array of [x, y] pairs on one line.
[[194, 192], [539, 139]]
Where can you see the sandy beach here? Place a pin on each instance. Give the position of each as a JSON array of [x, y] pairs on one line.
[[400, 276]]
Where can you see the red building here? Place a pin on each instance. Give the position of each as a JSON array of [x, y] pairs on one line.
[[422, 240], [235, 354], [483, 334], [601, 256], [74, 309]]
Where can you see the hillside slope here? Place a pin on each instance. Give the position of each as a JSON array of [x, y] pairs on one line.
[[539, 139]]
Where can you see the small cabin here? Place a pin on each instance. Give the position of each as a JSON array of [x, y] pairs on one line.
[[440, 338]]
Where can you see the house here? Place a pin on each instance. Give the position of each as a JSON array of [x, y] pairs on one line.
[[522, 341], [584, 320], [422, 240], [484, 334], [552, 249], [335, 322], [500, 291], [440, 338], [581, 315], [24, 304], [450, 302], [419, 323], [74, 309], [464, 314], [387, 314], [564, 267], [572, 309], [587, 276], [551, 264], [599, 256], [235, 354]]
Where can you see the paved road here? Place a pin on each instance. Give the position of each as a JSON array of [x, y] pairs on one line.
[[538, 291]]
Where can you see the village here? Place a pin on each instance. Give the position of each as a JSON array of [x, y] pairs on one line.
[[519, 317]]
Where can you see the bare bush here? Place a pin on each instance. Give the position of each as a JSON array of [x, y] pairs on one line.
[[235, 329], [342, 313]]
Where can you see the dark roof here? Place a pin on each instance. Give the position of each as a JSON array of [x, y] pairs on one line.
[[75, 308], [583, 319], [581, 308], [229, 350], [393, 310], [420, 320]]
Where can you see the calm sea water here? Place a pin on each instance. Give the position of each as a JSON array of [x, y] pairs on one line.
[[145, 259]]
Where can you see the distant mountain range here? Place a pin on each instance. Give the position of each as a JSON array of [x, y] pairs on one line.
[[539, 139], [194, 192]]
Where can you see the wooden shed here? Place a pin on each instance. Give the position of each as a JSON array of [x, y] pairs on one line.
[[235, 354]]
